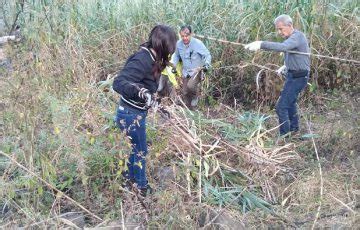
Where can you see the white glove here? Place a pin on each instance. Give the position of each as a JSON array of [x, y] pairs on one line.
[[146, 95], [281, 71], [253, 46], [149, 100], [142, 93]]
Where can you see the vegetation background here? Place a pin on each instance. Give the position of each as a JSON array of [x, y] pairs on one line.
[[61, 157]]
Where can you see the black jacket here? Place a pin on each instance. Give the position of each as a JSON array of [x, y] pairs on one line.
[[136, 74]]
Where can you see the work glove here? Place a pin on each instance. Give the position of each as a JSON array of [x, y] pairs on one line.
[[146, 95], [253, 46], [205, 68], [281, 71], [173, 70]]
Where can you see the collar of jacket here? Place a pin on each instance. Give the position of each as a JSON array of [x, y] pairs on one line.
[[151, 54]]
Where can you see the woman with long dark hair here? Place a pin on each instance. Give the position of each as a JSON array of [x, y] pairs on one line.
[[137, 82]]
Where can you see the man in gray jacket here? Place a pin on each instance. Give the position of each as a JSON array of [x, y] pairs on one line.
[[296, 70], [196, 59]]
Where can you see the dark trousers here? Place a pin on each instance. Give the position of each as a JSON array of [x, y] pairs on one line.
[[133, 123], [191, 89], [286, 107], [166, 88]]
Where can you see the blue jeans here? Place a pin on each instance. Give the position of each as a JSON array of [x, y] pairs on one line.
[[286, 105], [133, 123]]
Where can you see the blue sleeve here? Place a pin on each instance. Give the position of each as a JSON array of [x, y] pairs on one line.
[[175, 57], [205, 53]]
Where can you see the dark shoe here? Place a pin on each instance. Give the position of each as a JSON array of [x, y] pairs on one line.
[[127, 184], [283, 139], [145, 191], [296, 135]]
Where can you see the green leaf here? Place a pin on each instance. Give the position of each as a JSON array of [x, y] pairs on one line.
[[313, 135]]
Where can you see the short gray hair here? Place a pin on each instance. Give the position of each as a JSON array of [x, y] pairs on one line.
[[284, 18]]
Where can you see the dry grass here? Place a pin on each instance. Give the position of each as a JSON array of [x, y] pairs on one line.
[[58, 109]]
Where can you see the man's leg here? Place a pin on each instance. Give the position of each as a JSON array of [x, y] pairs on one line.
[[194, 89], [299, 85], [186, 92], [282, 107], [283, 116], [294, 118], [162, 84], [173, 94]]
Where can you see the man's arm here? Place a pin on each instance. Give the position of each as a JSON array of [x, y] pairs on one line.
[[205, 53], [175, 58], [291, 43]]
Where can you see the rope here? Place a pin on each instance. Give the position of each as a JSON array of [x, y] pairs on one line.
[[294, 52]]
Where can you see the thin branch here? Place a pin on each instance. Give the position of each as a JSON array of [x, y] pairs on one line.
[[49, 185]]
